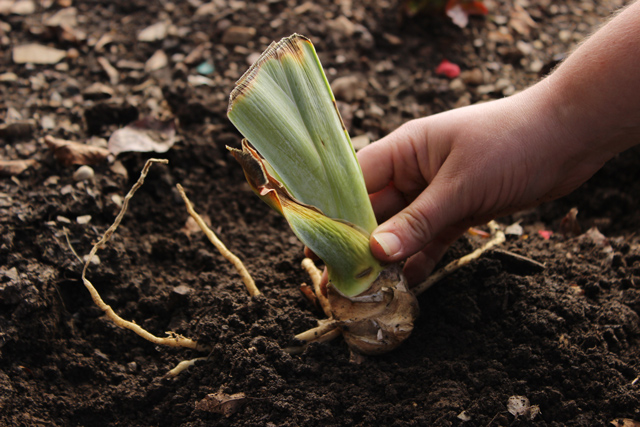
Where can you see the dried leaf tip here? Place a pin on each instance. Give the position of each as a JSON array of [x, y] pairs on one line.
[[288, 45]]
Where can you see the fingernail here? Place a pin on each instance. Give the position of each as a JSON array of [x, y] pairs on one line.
[[389, 243]]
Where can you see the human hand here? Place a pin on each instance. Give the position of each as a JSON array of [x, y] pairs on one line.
[[434, 177]]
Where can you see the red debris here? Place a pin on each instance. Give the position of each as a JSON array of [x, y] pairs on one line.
[[449, 69], [546, 234]]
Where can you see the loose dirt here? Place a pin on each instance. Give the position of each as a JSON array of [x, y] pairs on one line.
[[565, 335]]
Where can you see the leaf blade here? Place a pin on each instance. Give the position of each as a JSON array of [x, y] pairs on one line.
[[284, 106]]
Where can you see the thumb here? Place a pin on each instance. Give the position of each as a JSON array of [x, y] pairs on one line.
[[415, 226]]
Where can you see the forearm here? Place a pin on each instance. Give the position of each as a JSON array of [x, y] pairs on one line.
[[595, 93]]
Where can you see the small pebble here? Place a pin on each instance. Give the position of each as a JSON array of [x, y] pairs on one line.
[[205, 68], [52, 180], [485, 89], [565, 36], [8, 77], [360, 141], [199, 80], [83, 173], [502, 84], [12, 274], [63, 219], [157, 61], [238, 35], [536, 66], [83, 219], [117, 200], [457, 85], [474, 76], [95, 260]]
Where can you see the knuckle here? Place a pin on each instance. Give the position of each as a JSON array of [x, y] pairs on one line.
[[418, 226]]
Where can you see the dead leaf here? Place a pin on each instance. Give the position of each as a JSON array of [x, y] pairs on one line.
[[459, 11], [520, 406], [144, 135], [569, 225], [625, 422], [15, 167], [222, 403], [514, 229], [594, 236], [458, 16], [74, 153]]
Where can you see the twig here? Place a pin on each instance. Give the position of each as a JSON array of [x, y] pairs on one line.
[[246, 277], [526, 260], [173, 340], [498, 239], [73, 251]]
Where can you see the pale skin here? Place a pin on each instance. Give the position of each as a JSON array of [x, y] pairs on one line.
[[433, 177]]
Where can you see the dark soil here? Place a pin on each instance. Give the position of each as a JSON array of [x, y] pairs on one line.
[[566, 336]]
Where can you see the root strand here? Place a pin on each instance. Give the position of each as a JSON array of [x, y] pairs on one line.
[[173, 340], [242, 270]]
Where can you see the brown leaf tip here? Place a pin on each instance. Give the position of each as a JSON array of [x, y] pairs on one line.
[[291, 45]]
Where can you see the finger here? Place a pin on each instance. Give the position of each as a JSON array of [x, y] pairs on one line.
[[394, 158], [387, 202], [419, 266], [440, 205]]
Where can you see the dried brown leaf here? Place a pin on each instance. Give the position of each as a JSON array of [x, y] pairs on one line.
[[144, 135], [15, 167], [74, 153], [569, 225], [625, 422], [222, 403]]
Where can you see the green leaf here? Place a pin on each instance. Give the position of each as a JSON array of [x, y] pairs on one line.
[[344, 247], [284, 106]]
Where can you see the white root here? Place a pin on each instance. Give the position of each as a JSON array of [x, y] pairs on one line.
[[172, 340], [327, 330], [185, 364], [237, 263], [316, 278]]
